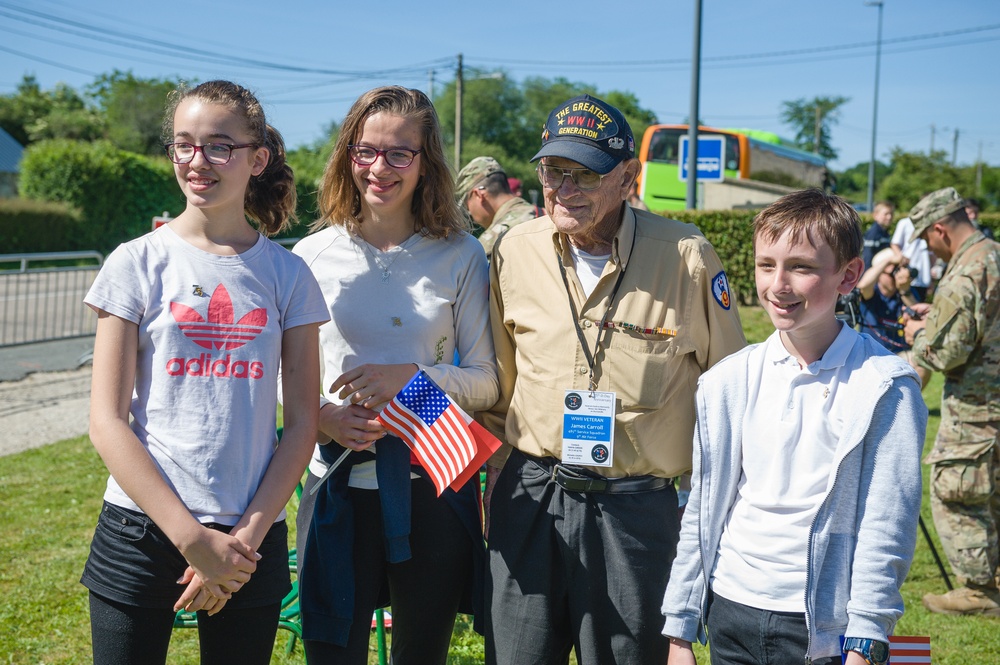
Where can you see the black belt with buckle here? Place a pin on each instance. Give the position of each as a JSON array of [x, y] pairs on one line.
[[579, 480]]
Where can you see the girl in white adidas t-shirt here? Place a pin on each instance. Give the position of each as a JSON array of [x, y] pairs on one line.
[[193, 320]]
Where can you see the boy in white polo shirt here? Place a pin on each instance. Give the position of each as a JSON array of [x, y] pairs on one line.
[[806, 483]]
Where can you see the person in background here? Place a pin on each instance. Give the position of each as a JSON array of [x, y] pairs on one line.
[[877, 236], [634, 199], [193, 320], [885, 292], [959, 335], [406, 286], [806, 486], [481, 188], [603, 318], [515, 186], [972, 208], [914, 250]]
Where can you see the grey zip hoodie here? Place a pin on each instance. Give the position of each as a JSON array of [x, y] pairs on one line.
[[862, 539]]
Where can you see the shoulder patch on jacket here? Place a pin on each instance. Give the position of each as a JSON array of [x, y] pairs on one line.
[[720, 290]]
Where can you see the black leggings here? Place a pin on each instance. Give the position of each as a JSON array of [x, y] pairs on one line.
[[129, 635]]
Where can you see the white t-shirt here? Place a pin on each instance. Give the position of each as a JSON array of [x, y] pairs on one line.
[[589, 267], [210, 331], [790, 433], [434, 304], [915, 249]]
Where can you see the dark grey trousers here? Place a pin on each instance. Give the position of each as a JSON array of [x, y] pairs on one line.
[[579, 571]]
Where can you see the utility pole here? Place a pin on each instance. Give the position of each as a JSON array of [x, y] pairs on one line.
[[878, 62], [458, 115], [692, 165], [430, 84], [954, 149], [933, 129], [979, 169], [819, 120]]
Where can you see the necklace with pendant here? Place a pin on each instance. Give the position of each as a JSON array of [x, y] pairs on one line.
[[384, 267]]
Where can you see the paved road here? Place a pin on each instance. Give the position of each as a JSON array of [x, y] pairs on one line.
[[18, 361], [44, 393]]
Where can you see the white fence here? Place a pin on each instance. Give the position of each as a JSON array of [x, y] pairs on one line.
[[41, 296]]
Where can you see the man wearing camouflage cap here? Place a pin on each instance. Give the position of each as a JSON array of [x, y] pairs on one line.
[[482, 189], [960, 336]]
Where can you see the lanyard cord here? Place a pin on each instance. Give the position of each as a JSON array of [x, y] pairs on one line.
[[592, 357]]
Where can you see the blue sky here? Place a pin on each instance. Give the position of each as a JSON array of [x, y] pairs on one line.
[[309, 60]]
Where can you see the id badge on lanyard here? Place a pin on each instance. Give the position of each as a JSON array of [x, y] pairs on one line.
[[589, 428], [589, 415]]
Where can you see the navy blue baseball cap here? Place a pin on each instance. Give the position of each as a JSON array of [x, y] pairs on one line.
[[589, 131]]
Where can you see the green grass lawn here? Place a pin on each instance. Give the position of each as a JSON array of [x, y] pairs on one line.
[[49, 502]]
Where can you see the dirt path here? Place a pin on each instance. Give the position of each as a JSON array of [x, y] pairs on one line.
[[43, 408]]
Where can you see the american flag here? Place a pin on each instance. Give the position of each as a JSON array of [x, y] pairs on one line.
[[909, 650], [905, 650], [445, 440]]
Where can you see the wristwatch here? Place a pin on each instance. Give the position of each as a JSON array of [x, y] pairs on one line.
[[873, 651]]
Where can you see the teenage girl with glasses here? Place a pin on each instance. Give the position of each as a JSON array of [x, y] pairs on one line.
[[193, 320], [406, 286]]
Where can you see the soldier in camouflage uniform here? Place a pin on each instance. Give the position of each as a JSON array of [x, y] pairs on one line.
[[960, 336], [483, 190]]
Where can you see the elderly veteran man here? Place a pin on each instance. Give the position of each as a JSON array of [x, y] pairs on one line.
[[603, 318], [960, 336], [483, 189]]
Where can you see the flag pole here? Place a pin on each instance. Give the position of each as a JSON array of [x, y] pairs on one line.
[[329, 472]]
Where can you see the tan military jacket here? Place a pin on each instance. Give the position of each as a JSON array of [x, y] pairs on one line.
[[510, 214], [673, 317]]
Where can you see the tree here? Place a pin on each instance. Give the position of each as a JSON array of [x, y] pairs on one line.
[[504, 120], [492, 114], [852, 183], [308, 163], [133, 109], [915, 174], [31, 114], [811, 119]]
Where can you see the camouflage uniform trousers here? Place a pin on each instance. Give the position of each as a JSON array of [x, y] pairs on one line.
[[965, 498]]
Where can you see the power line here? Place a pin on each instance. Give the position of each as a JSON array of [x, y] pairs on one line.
[[146, 44], [745, 56], [44, 61]]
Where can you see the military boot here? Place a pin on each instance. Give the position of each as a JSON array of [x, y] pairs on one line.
[[970, 599]]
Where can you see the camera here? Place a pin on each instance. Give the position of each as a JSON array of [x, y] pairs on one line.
[[913, 271], [849, 308]]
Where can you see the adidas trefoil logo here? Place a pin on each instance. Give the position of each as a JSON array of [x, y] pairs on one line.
[[219, 332]]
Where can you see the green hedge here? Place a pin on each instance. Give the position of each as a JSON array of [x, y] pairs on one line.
[[117, 193], [991, 220], [731, 234], [40, 226]]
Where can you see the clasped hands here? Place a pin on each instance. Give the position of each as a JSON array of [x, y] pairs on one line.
[[365, 389], [219, 565]]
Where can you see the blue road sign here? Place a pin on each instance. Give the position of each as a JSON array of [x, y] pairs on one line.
[[711, 150]]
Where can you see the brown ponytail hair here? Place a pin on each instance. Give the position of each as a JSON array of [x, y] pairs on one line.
[[270, 197]]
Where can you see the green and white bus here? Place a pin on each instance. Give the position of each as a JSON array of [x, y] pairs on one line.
[[750, 155]]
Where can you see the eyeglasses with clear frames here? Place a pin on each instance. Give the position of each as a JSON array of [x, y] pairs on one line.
[[553, 176], [397, 158], [214, 153]]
